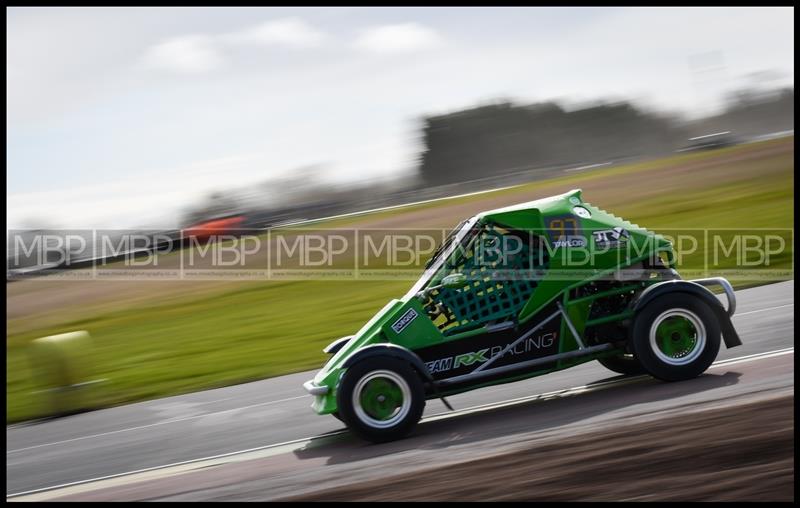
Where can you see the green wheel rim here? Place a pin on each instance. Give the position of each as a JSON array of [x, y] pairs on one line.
[[382, 398], [677, 336]]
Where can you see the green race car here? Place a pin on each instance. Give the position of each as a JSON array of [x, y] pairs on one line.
[[519, 292]]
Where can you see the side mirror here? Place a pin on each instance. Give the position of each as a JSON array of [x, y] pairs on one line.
[[454, 281]]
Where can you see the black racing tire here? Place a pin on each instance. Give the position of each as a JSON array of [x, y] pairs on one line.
[[675, 337], [384, 377], [336, 415], [626, 364]]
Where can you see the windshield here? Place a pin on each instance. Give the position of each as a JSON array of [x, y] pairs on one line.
[[455, 238]]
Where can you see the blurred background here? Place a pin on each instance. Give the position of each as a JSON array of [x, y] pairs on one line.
[[154, 120], [160, 118]]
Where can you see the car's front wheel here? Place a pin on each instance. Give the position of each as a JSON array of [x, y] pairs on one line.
[[381, 399], [676, 337]]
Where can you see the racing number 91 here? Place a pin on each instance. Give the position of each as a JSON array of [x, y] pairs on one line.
[[558, 227]]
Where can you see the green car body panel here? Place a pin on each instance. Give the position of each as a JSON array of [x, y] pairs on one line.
[[564, 222]]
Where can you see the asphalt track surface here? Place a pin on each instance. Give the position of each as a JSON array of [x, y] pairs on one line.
[[273, 411]]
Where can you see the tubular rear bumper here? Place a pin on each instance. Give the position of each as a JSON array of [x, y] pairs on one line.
[[726, 286]]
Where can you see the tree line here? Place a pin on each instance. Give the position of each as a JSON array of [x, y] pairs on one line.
[[505, 138]]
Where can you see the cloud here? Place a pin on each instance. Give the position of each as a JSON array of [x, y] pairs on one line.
[[400, 38], [290, 32], [204, 52], [188, 53]]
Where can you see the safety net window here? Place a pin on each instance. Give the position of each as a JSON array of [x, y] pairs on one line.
[[502, 269]]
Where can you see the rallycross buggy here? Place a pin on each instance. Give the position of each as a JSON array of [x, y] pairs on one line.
[[519, 292]]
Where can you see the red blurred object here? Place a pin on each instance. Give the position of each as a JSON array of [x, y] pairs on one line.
[[205, 230]]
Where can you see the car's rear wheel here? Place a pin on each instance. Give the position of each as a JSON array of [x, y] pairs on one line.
[[381, 399], [676, 337], [626, 364]]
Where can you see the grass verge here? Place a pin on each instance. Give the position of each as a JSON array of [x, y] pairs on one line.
[[176, 342]]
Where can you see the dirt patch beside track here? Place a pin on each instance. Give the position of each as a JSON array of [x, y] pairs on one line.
[[738, 453]]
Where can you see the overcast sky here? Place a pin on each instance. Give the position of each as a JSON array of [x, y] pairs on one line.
[[121, 116]]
